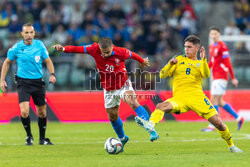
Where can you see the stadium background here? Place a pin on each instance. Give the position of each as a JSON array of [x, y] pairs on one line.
[[151, 28]]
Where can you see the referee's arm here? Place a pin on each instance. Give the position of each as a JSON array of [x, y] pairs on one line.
[[5, 69], [51, 70]]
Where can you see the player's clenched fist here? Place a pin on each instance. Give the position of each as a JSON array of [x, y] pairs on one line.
[[58, 47], [173, 61], [202, 53]]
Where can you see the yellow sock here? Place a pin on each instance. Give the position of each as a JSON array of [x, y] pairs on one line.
[[227, 137], [156, 116]]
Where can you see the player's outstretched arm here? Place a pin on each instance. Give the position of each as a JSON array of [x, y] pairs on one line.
[[205, 72], [69, 48], [168, 69], [5, 69]]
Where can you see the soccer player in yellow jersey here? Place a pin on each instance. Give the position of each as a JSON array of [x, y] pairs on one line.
[[188, 73]]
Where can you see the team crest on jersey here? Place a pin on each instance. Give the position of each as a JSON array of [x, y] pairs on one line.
[[37, 58], [215, 51], [198, 64], [117, 61], [182, 62]]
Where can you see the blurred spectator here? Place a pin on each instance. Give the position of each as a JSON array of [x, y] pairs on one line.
[[136, 43], [4, 19], [100, 19], [165, 10], [243, 6], [173, 20], [65, 13], [186, 6], [55, 4], [152, 39], [248, 29], [48, 13], [107, 31], [89, 35], [27, 5], [118, 40], [36, 11], [6, 12], [240, 21], [2, 50], [15, 25], [163, 43], [60, 35], [123, 30], [75, 31], [132, 16], [43, 29], [21, 14], [88, 19], [76, 14], [248, 33], [187, 24], [116, 12], [231, 29], [148, 9]]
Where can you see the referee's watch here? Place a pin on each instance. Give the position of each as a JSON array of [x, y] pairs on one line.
[[53, 74]]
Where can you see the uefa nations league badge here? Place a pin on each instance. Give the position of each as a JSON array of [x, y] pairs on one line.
[[37, 58]]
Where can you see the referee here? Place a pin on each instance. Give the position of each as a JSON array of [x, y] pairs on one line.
[[29, 54]]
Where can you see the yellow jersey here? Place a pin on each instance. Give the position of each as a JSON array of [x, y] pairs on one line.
[[187, 75]]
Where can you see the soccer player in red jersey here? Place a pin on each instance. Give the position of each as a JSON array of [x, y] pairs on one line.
[[221, 65], [110, 62]]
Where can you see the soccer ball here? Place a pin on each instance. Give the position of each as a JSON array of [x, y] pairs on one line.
[[113, 145]]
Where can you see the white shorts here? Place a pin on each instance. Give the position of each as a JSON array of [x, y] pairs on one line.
[[113, 98], [219, 87]]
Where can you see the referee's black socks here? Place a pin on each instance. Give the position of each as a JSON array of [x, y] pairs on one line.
[[26, 125], [42, 122]]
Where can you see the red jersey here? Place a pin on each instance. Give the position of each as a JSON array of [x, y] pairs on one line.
[[113, 73], [219, 61]]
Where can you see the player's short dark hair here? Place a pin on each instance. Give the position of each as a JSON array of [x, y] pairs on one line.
[[27, 25], [194, 39], [214, 28], [105, 42]]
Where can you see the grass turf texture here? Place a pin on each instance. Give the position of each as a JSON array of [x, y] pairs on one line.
[[180, 144]]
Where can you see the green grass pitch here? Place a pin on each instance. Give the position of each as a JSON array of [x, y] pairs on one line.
[[181, 144]]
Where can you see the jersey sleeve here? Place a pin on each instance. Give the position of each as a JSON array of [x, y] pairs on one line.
[[205, 72], [132, 55], [224, 51], [226, 60], [45, 53], [168, 70], [86, 49], [11, 54], [91, 49], [210, 58], [228, 64]]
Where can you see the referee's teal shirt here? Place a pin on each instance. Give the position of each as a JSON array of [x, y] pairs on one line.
[[29, 58]]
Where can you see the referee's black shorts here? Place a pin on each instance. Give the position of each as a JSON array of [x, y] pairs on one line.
[[31, 87]]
